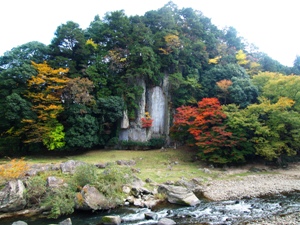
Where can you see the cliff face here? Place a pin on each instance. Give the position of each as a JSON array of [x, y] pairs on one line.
[[155, 101]]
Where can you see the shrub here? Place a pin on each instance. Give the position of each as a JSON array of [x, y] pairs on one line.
[[85, 174], [60, 201], [133, 145], [113, 141], [156, 142], [35, 190], [15, 169], [111, 181]]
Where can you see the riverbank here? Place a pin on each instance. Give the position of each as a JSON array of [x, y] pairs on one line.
[[266, 183], [232, 183]]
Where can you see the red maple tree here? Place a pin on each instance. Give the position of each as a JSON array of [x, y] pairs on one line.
[[205, 123]]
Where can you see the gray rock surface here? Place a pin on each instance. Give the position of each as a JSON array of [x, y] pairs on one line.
[[178, 195], [137, 182], [67, 221], [91, 199], [70, 166], [166, 221], [19, 223], [54, 182], [12, 196], [38, 168]]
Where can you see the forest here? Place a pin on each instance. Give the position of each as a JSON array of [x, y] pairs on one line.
[[227, 99]]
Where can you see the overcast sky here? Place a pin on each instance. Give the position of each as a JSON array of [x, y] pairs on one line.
[[271, 25]]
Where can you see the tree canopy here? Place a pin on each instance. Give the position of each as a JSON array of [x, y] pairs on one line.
[[232, 101]]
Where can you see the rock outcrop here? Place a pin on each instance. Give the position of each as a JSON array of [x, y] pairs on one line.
[[155, 101], [12, 196]]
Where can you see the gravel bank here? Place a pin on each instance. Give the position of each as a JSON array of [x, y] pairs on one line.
[[290, 219], [251, 186]]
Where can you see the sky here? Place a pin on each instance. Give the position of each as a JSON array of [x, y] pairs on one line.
[[271, 25]]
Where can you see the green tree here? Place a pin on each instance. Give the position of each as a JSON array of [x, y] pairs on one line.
[[242, 124], [109, 111], [243, 92], [220, 72], [296, 66], [68, 49], [232, 39], [83, 132], [15, 70], [278, 133], [115, 30]]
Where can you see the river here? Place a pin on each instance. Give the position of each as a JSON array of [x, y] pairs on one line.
[[207, 212]]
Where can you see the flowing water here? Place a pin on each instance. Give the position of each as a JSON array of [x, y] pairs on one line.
[[214, 213]]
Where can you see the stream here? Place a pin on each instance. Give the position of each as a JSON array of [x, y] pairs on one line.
[[207, 212]]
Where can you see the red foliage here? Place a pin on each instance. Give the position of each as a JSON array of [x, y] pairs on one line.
[[205, 124], [146, 122]]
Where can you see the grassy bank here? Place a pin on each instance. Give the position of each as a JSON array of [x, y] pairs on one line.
[[157, 165]]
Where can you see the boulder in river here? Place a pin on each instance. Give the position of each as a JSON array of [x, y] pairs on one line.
[[12, 196], [67, 221], [19, 223], [110, 220], [166, 221], [178, 195]]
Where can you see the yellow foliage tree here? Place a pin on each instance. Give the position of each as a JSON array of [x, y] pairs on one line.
[[275, 85], [254, 68], [91, 43], [223, 85], [214, 60], [45, 91], [241, 58], [172, 42]]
